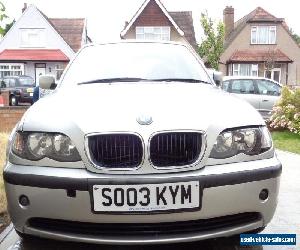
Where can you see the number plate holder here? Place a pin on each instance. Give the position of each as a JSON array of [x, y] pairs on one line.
[[162, 190]]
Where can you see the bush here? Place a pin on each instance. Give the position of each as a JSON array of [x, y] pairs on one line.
[[286, 113]]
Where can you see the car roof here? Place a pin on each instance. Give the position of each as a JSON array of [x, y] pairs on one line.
[[226, 78]]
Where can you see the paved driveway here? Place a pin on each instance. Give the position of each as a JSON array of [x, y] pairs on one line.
[[286, 220]]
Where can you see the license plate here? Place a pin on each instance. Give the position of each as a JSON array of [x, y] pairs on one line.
[[31, 94], [146, 197]]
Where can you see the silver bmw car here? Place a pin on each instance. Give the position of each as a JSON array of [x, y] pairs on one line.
[[137, 145]]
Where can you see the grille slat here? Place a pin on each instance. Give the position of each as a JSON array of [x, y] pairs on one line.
[[175, 148], [116, 150]]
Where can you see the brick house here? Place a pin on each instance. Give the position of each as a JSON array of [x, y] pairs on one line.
[[152, 21], [37, 45], [260, 44]]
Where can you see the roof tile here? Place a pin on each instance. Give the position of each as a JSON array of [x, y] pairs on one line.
[[259, 56], [70, 29], [184, 20], [55, 55]]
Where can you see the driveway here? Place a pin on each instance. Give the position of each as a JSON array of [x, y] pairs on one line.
[[286, 220]]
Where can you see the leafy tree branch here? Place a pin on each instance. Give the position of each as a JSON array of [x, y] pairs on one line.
[[212, 45], [3, 16]]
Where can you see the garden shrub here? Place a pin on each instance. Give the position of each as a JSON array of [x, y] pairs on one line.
[[286, 113]]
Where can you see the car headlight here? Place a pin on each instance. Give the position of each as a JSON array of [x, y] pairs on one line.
[[250, 141], [36, 146]]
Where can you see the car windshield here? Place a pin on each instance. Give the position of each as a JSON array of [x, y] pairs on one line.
[[132, 62], [26, 81]]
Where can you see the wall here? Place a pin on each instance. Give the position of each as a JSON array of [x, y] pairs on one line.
[[152, 15], [10, 116], [4, 95], [30, 69]]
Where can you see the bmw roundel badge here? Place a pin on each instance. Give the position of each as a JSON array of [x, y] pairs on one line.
[[144, 119]]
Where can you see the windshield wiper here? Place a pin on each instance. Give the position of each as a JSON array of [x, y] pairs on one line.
[[111, 80], [180, 80], [136, 79]]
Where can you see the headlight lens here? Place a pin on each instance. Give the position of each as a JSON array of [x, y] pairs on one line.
[[36, 146], [250, 141]]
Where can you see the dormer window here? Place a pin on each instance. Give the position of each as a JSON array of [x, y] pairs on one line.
[[263, 34], [153, 33]]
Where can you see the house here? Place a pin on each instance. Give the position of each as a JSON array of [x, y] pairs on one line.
[[152, 21], [260, 44], [37, 45]]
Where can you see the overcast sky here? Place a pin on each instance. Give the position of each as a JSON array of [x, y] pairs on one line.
[[106, 18]]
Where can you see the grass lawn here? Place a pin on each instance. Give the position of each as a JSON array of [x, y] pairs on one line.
[[286, 141]]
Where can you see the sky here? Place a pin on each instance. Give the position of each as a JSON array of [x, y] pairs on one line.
[[106, 18]]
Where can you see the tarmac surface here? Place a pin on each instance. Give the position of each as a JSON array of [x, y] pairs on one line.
[[286, 220]]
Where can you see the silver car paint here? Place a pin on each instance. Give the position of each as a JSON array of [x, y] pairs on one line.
[[202, 107], [82, 110], [216, 201], [262, 103]]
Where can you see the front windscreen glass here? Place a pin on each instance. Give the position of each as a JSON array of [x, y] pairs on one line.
[[149, 61], [26, 81]]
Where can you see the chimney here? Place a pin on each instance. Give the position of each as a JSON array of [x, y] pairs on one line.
[[24, 8], [228, 19]]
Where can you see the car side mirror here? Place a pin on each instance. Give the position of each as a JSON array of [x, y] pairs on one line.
[[47, 82], [218, 78]]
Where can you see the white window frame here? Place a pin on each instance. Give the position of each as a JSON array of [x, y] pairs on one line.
[[59, 69], [25, 41], [272, 73], [236, 69], [142, 31], [255, 39], [10, 67]]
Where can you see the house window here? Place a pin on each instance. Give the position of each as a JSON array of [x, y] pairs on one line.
[[245, 70], [59, 69], [153, 33], [274, 74], [263, 34], [11, 69], [32, 38]]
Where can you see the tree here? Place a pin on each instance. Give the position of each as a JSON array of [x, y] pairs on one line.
[[212, 45], [295, 36], [270, 59], [8, 26], [2, 17]]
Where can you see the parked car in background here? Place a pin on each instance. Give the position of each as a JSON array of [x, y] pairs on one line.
[[133, 148], [20, 88], [261, 93]]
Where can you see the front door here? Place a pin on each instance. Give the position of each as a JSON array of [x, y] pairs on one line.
[[40, 70]]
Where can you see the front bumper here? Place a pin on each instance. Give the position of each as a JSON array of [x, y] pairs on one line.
[[25, 98], [226, 192]]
